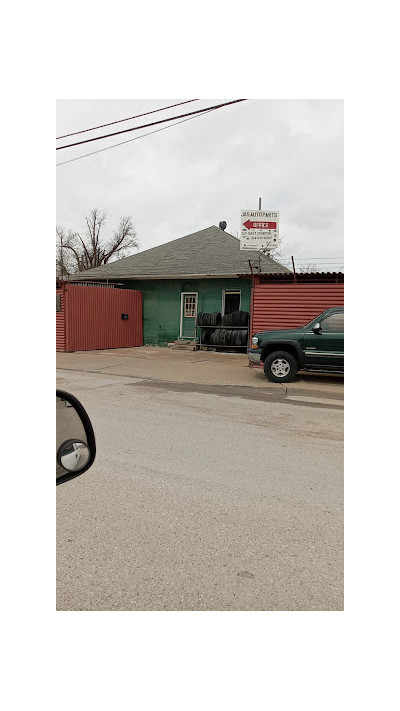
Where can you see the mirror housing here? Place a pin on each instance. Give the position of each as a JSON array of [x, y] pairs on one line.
[[317, 327], [75, 445]]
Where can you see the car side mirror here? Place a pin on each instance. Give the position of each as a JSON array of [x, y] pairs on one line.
[[317, 327], [75, 441]]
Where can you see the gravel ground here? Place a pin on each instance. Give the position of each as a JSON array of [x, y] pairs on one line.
[[201, 502]]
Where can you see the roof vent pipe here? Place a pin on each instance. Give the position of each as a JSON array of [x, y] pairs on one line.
[[222, 225]]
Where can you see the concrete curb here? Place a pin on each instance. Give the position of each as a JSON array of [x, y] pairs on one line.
[[309, 392], [302, 397]]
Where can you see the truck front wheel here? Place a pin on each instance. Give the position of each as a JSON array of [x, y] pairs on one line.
[[280, 367]]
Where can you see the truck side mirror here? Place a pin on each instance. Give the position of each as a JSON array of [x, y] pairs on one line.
[[317, 327]]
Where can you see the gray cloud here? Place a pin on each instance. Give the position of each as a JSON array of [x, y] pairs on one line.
[[177, 181]]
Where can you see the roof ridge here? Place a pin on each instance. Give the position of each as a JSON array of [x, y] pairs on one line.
[[171, 241]]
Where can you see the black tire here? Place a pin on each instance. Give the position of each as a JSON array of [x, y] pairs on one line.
[[205, 338], [244, 318], [280, 362], [223, 334], [200, 319]]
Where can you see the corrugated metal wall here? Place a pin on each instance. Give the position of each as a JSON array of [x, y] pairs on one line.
[[291, 305], [93, 318], [60, 322]]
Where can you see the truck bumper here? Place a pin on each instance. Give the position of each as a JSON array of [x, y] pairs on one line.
[[254, 357]]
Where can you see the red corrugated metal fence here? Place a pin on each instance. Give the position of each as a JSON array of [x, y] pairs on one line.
[[60, 320], [291, 305], [93, 318]]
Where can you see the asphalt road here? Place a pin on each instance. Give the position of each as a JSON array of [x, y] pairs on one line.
[[201, 502]]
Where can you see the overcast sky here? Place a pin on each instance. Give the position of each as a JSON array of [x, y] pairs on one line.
[[192, 175]]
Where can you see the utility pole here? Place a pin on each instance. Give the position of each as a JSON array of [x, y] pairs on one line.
[[294, 271]]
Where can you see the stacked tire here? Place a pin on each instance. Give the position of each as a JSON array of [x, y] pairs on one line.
[[228, 336], [236, 318], [213, 319]]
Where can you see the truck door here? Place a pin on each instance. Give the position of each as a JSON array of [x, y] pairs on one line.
[[326, 346]]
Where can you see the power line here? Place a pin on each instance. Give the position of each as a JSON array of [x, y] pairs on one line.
[[130, 118], [85, 155], [146, 125]]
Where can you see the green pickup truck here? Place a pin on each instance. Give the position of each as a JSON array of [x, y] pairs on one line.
[[317, 347]]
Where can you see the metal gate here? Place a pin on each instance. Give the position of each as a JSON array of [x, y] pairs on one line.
[[92, 318], [277, 306]]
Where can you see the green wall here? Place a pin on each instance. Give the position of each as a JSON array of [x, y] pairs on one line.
[[162, 303]]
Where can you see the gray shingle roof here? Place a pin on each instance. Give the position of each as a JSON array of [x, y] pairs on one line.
[[209, 252]]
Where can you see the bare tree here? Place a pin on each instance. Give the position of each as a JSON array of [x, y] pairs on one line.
[[76, 253], [65, 260], [307, 268]]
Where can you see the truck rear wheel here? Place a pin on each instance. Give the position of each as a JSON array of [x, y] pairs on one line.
[[280, 367]]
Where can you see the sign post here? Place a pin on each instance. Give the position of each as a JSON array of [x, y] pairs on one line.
[[259, 229]]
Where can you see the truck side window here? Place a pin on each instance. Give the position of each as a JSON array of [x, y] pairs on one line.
[[334, 322]]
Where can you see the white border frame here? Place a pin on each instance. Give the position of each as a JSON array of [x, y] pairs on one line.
[[186, 293]]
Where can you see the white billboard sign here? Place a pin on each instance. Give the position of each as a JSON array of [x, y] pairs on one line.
[[259, 229]]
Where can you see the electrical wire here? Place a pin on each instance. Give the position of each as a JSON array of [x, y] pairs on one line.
[[306, 264], [130, 118], [85, 155], [146, 125]]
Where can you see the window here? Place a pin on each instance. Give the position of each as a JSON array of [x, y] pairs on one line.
[[335, 323], [58, 302], [231, 302], [190, 306]]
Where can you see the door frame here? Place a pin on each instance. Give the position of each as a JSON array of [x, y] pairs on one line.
[[229, 291], [186, 293]]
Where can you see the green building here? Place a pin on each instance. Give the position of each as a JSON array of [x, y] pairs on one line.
[[179, 279]]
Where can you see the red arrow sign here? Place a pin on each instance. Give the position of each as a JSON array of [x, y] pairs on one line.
[[259, 225]]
